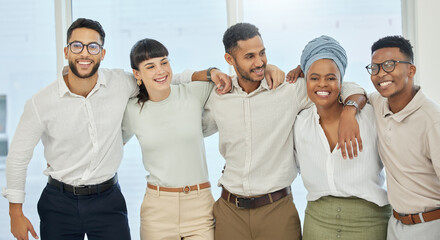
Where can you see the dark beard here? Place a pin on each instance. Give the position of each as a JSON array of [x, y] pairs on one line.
[[75, 70], [245, 75]]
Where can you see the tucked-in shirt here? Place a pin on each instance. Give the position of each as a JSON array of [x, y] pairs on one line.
[[81, 135], [173, 152], [409, 145], [325, 172], [256, 134]]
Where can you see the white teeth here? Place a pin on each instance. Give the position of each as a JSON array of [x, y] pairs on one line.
[[84, 62], [258, 71], [383, 84], [321, 93], [160, 79]]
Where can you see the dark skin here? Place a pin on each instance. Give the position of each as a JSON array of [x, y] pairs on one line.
[[349, 138], [397, 86]]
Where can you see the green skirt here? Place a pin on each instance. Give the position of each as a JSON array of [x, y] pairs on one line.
[[349, 218]]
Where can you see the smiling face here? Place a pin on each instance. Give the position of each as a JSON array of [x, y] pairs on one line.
[[249, 60], [397, 82], [83, 64], [155, 73], [323, 83]]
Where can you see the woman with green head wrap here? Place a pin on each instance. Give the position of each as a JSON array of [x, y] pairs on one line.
[[346, 198]]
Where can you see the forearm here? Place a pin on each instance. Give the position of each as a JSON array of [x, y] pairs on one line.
[[199, 76], [15, 210], [360, 100]]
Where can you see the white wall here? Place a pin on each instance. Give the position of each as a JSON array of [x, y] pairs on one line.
[[421, 21]]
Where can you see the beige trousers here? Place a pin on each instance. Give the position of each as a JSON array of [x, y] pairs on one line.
[[175, 216], [275, 221], [420, 231]]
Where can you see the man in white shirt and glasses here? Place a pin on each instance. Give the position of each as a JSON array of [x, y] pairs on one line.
[[78, 119], [255, 126]]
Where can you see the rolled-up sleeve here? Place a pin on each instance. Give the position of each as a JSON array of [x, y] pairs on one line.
[[184, 77], [350, 88], [27, 136]]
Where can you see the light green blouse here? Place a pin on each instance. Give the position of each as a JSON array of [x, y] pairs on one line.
[[170, 135]]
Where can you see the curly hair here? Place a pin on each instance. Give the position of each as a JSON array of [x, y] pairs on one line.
[[400, 42], [237, 32]]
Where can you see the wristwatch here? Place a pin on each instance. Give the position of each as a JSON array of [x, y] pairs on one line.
[[208, 73], [352, 103]]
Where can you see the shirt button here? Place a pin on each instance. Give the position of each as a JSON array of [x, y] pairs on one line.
[[338, 216], [338, 236], [338, 209], [339, 230]]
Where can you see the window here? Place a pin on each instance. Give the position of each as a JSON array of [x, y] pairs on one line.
[[28, 63], [287, 26]]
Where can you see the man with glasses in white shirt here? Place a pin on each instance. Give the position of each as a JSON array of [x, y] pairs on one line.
[[78, 119]]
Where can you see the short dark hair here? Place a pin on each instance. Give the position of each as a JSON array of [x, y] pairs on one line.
[[237, 32], [146, 49], [400, 42], [86, 23], [143, 50]]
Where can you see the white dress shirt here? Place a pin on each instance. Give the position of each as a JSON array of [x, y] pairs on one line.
[[81, 135], [325, 172], [256, 134]]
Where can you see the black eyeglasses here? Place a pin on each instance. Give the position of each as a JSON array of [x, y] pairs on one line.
[[388, 66], [77, 47]]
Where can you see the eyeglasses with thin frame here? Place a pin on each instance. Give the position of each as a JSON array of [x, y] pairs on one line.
[[388, 66], [77, 47]]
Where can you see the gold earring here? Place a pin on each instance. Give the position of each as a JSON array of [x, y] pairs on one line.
[[340, 99], [139, 82]]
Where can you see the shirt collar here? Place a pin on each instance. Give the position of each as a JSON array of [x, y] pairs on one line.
[[63, 89], [412, 106], [263, 85]]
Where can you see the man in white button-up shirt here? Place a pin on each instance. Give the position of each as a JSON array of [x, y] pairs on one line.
[[255, 126], [78, 119]]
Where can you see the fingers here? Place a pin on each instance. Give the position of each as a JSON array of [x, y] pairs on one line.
[[33, 233], [343, 149], [289, 76], [354, 148], [279, 79], [270, 82], [269, 79], [359, 140], [228, 84], [222, 81], [294, 74]]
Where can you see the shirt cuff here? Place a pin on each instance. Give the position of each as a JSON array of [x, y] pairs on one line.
[[350, 89], [13, 196]]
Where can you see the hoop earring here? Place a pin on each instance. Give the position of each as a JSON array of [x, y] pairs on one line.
[[340, 98]]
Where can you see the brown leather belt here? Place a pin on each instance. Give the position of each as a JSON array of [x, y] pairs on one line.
[[84, 190], [185, 189], [410, 219], [255, 202]]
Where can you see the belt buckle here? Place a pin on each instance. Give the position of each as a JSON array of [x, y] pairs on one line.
[[77, 187], [186, 189], [244, 203], [237, 202]]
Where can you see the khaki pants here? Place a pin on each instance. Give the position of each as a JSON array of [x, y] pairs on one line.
[[420, 231], [175, 216], [275, 221]]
